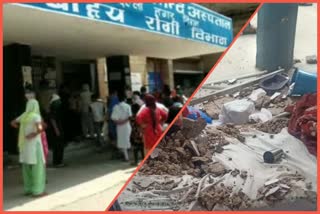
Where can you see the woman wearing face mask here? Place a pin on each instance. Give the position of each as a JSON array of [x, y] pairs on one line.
[[31, 151], [30, 95]]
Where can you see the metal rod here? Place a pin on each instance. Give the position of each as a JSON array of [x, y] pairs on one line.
[[213, 87], [233, 89], [283, 114], [237, 78]]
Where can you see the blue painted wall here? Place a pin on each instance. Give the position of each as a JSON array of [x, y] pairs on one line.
[[187, 21]]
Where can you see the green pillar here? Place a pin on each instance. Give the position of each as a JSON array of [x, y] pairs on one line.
[[276, 36]]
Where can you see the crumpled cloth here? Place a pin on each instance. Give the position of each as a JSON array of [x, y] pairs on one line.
[[303, 121]]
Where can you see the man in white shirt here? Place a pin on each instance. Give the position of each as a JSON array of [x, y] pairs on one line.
[[98, 110], [121, 115], [86, 117]]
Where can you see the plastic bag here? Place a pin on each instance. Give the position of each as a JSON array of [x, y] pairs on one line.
[[263, 116], [256, 94], [237, 111]]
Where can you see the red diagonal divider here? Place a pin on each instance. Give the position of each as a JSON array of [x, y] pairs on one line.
[[185, 105]]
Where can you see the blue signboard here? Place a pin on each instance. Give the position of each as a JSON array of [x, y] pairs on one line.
[[182, 20], [155, 82]]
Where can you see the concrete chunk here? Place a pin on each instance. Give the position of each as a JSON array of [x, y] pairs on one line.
[[273, 181], [284, 186], [272, 191]]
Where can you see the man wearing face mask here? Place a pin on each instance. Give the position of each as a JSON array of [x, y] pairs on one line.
[[29, 94]]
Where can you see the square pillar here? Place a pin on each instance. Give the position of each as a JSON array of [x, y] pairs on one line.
[[167, 72], [138, 65], [102, 77]]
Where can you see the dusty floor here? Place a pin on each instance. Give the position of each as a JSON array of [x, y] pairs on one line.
[[89, 183], [175, 171], [205, 173]]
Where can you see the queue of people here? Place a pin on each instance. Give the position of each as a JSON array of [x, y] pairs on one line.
[[135, 121]]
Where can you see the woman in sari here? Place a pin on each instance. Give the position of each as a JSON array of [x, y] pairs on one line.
[[31, 153], [151, 120]]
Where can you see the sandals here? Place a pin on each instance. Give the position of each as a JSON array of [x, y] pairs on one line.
[[40, 195]]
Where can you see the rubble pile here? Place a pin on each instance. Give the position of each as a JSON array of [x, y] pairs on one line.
[[273, 126], [208, 182], [192, 128], [276, 189], [179, 155], [246, 92], [311, 59], [218, 196], [262, 102], [212, 109], [231, 131], [155, 185]]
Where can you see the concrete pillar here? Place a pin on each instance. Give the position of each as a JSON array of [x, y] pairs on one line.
[[167, 72], [276, 36], [14, 57], [102, 77], [93, 77], [138, 64]]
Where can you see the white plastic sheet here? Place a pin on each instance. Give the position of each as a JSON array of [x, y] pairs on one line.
[[249, 157]]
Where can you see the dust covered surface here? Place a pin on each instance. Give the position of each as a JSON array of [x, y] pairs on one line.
[[273, 126], [194, 174], [232, 131], [179, 155], [212, 168]]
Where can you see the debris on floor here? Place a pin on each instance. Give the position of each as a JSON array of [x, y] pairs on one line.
[[222, 196], [178, 154], [212, 110], [192, 128], [311, 59], [232, 131], [263, 116], [179, 178], [199, 167], [273, 126], [237, 111], [256, 94]]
